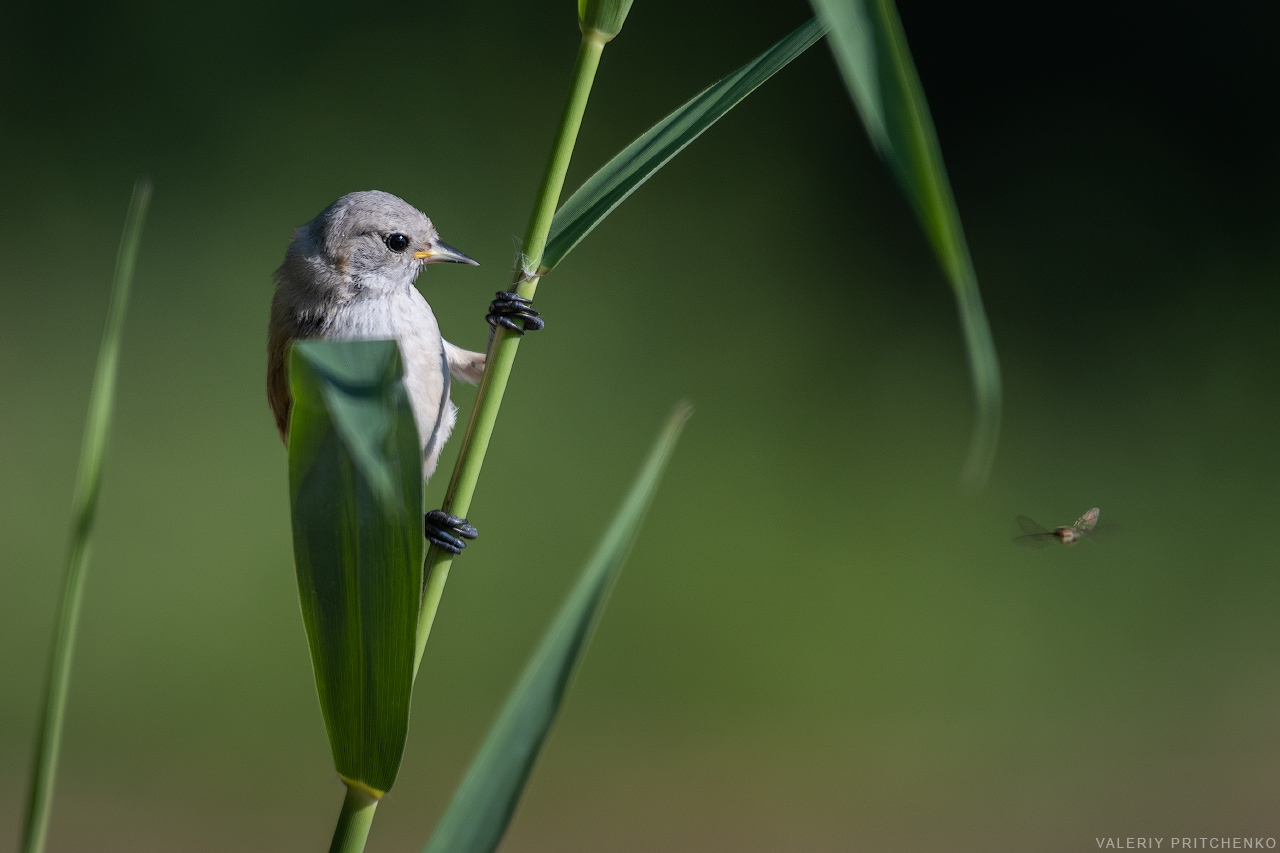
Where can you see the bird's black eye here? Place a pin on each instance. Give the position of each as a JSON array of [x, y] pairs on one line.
[[397, 242]]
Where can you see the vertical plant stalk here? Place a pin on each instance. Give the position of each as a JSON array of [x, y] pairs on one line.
[[502, 352], [354, 821], [84, 511]]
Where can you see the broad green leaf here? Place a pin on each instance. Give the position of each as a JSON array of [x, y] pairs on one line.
[[355, 488], [84, 511], [624, 174], [871, 49], [483, 804]]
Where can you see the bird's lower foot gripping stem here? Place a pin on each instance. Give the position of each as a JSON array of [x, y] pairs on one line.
[[508, 308], [447, 531]]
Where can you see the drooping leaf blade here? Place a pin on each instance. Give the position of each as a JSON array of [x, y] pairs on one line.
[[355, 488], [871, 50], [485, 801], [84, 511], [636, 163]]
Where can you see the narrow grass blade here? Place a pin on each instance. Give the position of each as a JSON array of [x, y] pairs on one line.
[[871, 50], [84, 509], [624, 174], [355, 487], [483, 804]]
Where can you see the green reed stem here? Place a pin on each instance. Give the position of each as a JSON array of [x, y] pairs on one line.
[[354, 821], [84, 509], [502, 351]]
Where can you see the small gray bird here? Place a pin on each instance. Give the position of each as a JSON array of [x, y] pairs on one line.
[[348, 274]]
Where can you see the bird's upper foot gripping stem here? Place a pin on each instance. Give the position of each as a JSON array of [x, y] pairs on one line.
[[508, 308]]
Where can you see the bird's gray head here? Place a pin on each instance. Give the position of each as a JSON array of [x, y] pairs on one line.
[[366, 241]]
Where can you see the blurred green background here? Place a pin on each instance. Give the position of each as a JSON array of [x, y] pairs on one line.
[[819, 643]]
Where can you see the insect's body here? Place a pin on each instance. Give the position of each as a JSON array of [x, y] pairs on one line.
[[1038, 537], [1068, 535]]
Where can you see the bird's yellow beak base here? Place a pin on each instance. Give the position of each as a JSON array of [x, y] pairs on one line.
[[443, 253]]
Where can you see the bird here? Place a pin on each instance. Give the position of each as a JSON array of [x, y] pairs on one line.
[[349, 274]]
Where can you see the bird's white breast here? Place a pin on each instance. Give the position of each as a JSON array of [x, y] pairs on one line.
[[404, 316]]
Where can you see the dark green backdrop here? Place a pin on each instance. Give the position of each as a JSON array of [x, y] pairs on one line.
[[819, 643]]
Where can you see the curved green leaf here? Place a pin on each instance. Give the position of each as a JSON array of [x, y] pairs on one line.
[[624, 174], [871, 50], [355, 487], [483, 804]]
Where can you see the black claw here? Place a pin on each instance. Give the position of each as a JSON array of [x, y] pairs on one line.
[[508, 308], [443, 530], [511, 298], [440, 520], [532, 322], [497, 320], [445, 542]]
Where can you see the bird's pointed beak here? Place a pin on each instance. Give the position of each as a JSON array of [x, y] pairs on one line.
[[443, 253]]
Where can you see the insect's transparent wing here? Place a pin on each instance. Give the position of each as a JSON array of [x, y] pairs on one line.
[[1086, 522], [1036, 535], [1030, 528], [1105, 531]]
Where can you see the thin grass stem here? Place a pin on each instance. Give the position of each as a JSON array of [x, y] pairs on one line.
[[83, 513], [502, 351], [354, 821]]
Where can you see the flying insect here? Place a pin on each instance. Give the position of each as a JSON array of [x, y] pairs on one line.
[[1037, 536]]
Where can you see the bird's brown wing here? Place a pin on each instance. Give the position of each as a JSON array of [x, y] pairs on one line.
[[278, 382]]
